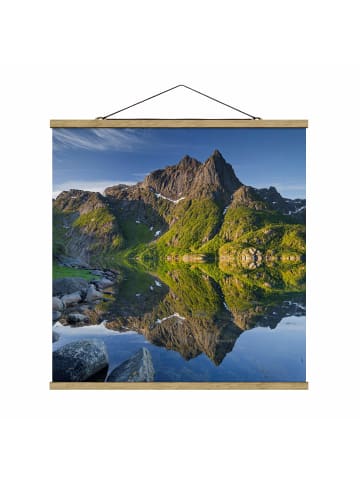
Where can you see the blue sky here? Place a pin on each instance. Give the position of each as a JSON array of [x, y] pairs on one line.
[[97, 158]]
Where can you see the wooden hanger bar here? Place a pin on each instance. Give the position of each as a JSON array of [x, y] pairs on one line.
[[174, 123], [179, 386]]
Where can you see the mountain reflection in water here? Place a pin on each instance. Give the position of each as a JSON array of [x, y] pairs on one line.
[[205, 321], [200, 309]]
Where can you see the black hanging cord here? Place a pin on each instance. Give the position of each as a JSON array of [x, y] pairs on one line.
[[173, 88]]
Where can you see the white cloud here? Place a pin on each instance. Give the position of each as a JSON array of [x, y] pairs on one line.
[[95, 186], [102, 139]]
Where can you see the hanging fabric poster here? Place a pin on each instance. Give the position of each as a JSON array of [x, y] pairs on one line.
[[179, 253]]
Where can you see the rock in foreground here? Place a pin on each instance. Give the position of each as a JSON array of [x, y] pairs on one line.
[[104, 283], [92, 294], [79, 360], [138, 368], [56, 315], [65, 286], [77, 318], [57, 304], [71, 299]]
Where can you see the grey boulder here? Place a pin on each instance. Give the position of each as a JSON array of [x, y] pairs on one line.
[[138, 368], [92, 294], [55, 336], [77, 318], [65, 286], [72, 298], [56, 315], [79, 360], [104, 283], [57, 304]]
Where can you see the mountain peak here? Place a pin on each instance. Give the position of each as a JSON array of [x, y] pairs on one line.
[[188, 162], [216, 159], [173, 182], [273, 190], [78, 200], [216, 176], [217, 154]]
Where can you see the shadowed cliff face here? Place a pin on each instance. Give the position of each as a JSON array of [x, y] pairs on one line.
[[215, 179], [190, 178], [174, 182]]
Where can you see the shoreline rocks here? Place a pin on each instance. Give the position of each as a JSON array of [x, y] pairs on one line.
[[79, 360], [97, 272], [66, 286], [138, 368], [93, 294], [103, 283], [56, 315], [72, 298], [77, 318], [79, 307], [77, 301], [57, 304]]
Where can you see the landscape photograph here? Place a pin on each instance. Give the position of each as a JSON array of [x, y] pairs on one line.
[[179, 255]]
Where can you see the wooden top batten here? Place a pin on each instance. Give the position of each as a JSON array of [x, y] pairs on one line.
[[168, 123], [179, 386]]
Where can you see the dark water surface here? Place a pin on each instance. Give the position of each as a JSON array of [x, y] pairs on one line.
[[200, 324]]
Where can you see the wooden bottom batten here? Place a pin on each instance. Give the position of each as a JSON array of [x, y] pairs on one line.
[[179, 386]]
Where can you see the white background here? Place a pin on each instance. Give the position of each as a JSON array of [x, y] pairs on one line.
[[275, 59]]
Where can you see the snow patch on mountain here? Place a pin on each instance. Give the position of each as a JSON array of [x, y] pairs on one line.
[[175, 315], [175, 201]]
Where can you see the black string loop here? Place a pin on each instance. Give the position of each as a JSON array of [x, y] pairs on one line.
[[173, 88]]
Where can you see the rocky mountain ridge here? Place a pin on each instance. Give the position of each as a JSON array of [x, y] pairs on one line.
[[190, 196], [189, 179]]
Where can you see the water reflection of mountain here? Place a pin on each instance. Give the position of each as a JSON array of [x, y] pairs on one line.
[[200, 309]]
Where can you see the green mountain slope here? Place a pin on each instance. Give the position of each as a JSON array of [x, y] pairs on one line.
[[187, 209]]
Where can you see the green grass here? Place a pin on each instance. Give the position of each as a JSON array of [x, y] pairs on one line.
[[118, 240], [241, 220], [294, 239], [243, 227], [137, 281], [100, 220], [136, 233], [65, 272], [195, 292], [102, 224], [280, 239], [198, 221]]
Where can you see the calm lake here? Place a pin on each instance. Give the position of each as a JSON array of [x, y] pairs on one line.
[[201, 324]]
